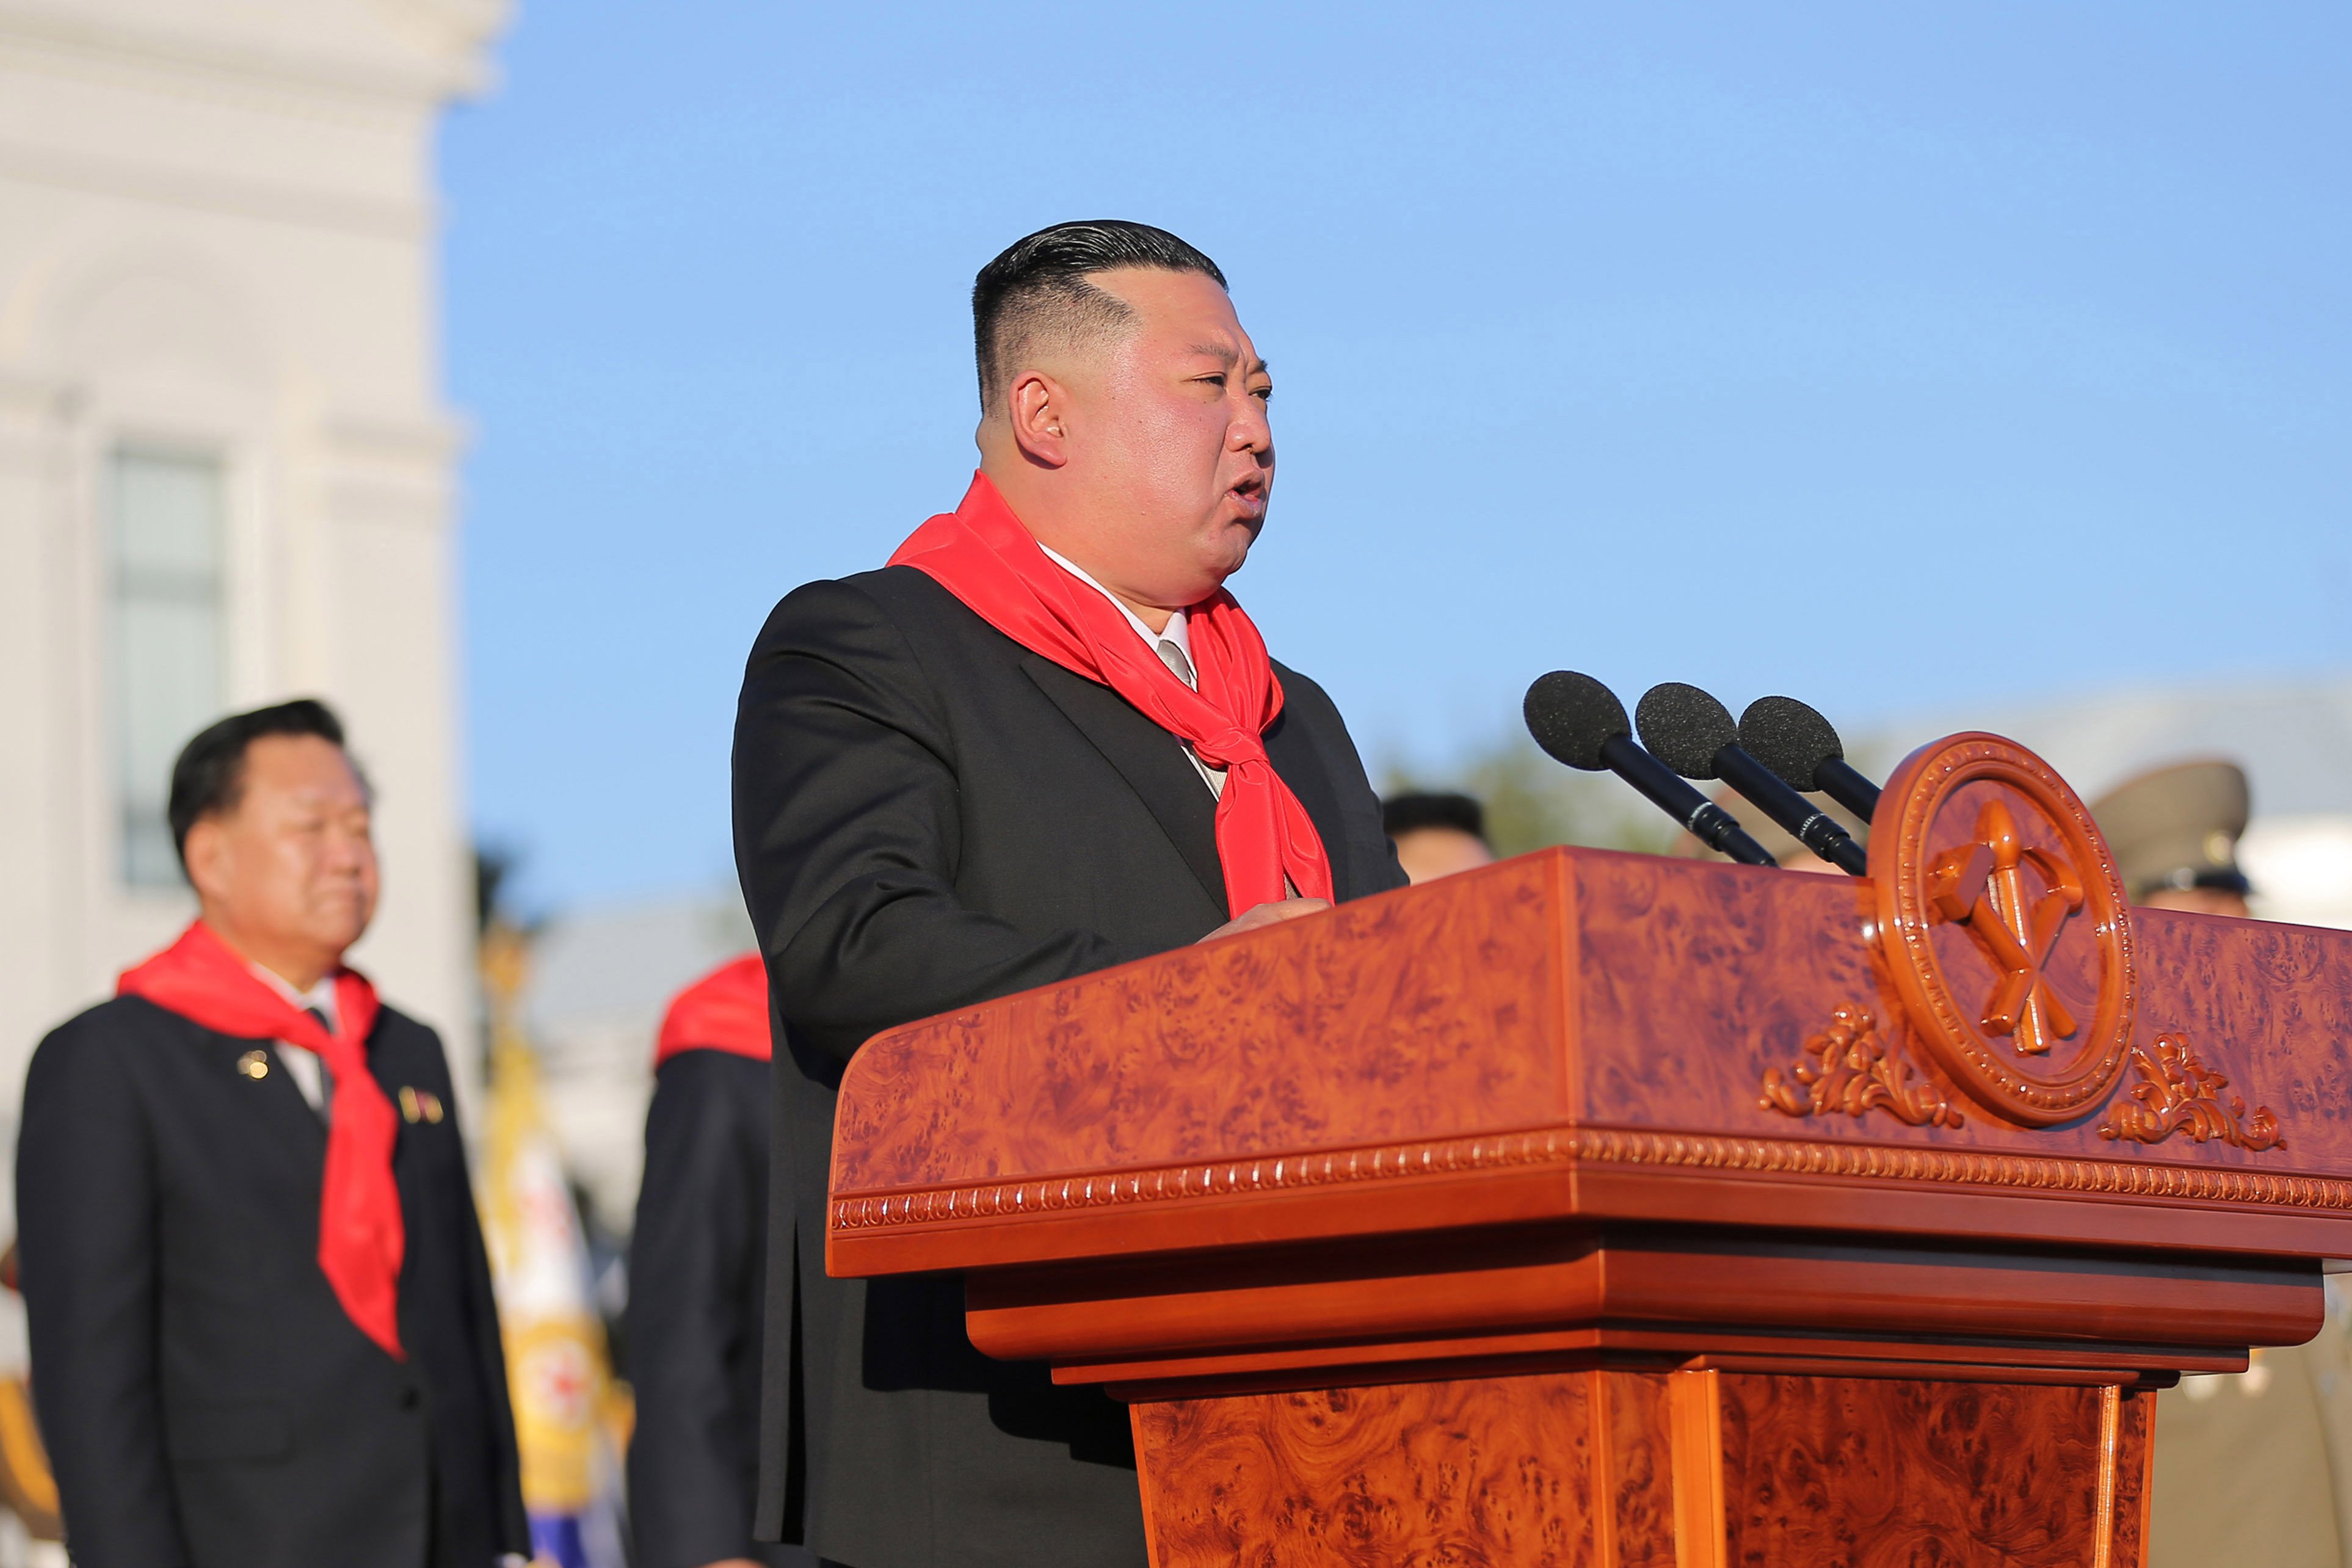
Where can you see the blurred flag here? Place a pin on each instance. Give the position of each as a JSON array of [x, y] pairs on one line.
[[565, 1402]]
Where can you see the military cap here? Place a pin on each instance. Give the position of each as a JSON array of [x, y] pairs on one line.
[[2178, 826]]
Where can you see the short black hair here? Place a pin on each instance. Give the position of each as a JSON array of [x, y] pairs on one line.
[[1044, 277], [1410, 813], [209, 777]]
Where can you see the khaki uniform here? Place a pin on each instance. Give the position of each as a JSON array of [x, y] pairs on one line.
[[2255, 1466]]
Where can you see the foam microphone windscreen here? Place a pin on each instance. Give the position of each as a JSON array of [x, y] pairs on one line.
[[1789, 738], [1684, 728], [1573, 716]]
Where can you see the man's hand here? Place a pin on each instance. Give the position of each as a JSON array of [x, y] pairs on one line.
[[1268, 915]]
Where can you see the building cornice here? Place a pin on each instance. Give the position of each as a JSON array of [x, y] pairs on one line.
[[388, 217], [422, 78]]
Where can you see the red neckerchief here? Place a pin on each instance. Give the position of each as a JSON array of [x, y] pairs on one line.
[[361, 1235], [725, 1010], [982, 554]]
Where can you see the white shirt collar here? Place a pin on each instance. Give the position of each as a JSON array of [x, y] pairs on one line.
[[1178, 632], [321, 995]]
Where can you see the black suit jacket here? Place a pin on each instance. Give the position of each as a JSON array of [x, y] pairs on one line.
[[927, 814], [206, 1400], [698, 1286]]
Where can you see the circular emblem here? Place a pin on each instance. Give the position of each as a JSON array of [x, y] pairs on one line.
[[2004, 926]]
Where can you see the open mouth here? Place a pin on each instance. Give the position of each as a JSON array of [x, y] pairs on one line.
[[1249, 496]]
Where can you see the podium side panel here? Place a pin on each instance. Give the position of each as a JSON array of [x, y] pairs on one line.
[[1824, 1469], [1634, 1457], [1499, 1472]]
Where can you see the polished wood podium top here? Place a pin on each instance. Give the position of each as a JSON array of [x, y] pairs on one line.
[[1583, 1033]]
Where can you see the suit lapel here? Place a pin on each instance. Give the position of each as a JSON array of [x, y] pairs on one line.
[[277, 1108], [275, 1124], [1151, 760]]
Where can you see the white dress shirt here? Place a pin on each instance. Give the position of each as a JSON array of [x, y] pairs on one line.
[[308, 1073], [1173, 645]]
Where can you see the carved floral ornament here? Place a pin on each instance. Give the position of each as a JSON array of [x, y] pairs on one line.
[[1853, 1070], [2178, 1093], [1977, 837]]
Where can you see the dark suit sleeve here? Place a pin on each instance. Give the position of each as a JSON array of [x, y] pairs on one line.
[[694, 1264], [85, 1207], [846, 833]]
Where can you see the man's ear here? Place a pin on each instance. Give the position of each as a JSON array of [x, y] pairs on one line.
[[207, 854], [1038, 408]]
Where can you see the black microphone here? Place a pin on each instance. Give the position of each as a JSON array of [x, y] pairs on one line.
[[1798, 745], [1692, 733], [1581, 723]]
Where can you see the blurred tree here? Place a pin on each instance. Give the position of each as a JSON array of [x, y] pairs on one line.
[[492, 868], [1532, 802]]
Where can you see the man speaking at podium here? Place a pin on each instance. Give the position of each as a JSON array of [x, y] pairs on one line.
[[1042, 741]]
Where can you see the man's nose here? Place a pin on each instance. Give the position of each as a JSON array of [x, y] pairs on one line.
[[1251, 430]]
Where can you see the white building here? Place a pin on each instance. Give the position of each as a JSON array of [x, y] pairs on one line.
[[225, 464]]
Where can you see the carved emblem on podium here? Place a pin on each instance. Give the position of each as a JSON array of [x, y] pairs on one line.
[[2004, 928], [1854, 1070], [2015, 919], [2178, 1093]]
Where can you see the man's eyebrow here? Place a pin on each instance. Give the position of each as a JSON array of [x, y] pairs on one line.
[[1225, 354]]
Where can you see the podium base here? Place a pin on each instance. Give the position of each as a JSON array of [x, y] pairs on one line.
[[1624, 1469]]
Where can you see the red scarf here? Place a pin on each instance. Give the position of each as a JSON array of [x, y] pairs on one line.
[[982, 554], [361, 1237], [725, 1010]]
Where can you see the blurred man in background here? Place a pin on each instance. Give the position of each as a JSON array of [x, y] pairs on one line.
[[699, 1276], [2174, 834], [1437, 835], [262, 1327], [2254, 1466]]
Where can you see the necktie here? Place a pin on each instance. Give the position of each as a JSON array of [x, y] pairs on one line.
[[326, 1074], [1181, 669]]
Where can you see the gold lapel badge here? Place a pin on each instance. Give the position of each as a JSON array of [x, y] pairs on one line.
[[254, 1063], [420, 1105]]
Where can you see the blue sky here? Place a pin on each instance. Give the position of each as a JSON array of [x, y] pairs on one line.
[[1886, 358]]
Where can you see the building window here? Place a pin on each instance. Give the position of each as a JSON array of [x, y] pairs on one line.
[[165, 534]]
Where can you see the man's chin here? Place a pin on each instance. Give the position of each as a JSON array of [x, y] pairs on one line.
[[338, 933], [1233, 537]]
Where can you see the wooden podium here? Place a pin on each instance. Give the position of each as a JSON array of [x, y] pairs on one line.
[[1606, 1209]]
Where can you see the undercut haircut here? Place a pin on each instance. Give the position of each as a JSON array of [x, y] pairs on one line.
[[209, 778], [1038, 288], [1410, 813]]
